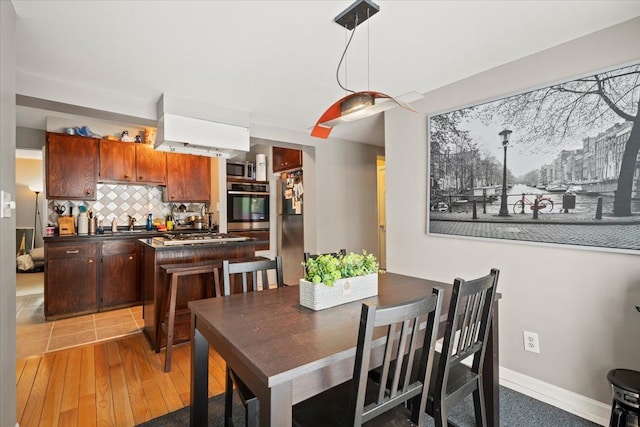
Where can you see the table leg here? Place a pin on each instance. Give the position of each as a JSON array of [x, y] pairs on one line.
[[199, 376], [276, 407], [491, 372]]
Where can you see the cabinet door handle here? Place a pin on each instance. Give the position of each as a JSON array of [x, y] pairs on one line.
[[126, 176], [140, 177], [74, 252], [88, 192], [90, 261], [130, 257]]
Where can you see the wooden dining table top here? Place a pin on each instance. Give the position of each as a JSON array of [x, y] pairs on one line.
[[279, 340]]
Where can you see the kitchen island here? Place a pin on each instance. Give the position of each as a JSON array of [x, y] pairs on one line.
[[157, 252]]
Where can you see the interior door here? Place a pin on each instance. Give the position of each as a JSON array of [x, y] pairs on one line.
[[382, 215]]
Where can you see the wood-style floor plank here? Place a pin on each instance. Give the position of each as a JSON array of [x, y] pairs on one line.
[[134, 384], [119, 389], [20, 364], [115, 383], [71, 392], [105, 415], [53, 399], [33, 409], [25, 383]]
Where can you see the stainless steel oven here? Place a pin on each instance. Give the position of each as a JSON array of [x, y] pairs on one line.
[[247, 206]]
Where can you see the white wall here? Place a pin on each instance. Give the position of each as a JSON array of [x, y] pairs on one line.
[[7, 225], [580, 302]]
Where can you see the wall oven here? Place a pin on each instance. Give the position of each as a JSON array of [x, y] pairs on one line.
[[247, 206]]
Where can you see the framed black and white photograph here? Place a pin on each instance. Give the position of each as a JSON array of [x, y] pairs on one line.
[[554, 165]]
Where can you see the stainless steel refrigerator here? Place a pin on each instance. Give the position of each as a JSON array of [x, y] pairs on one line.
[[291, 226]]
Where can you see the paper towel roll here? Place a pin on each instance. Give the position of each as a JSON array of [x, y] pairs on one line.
[[261, 167]]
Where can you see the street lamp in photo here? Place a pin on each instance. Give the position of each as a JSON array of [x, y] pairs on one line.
[[504, 210]]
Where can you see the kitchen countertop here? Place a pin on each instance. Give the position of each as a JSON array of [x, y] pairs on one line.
[[121, 234], [216, 241]]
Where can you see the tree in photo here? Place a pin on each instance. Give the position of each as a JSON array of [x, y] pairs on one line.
[[553, 115]]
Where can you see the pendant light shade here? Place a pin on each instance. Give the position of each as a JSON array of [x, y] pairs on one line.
[[354, 106]]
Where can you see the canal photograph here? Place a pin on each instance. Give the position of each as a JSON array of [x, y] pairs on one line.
[[558, 164]]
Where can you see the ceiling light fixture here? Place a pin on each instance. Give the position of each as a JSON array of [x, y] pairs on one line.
[[355, 105]]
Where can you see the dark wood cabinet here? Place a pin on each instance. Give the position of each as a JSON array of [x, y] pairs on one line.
[[71, 167], [126, 162], [70, 280], [117, 161], [120, 279], [151, 165], [285, 159], [188, 178], [86, 277]]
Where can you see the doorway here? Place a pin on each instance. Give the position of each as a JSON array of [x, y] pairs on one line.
[[382, 214]]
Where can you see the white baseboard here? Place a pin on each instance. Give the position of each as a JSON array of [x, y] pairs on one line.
[[566, 400]]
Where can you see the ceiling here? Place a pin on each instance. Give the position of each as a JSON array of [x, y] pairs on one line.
[[277, 59]]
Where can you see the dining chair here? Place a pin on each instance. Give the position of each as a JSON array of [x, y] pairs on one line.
[[308, 256], [388, 336], [465, 335], [252, 269]]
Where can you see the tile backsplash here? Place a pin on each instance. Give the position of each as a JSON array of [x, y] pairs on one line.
[[118, 201]]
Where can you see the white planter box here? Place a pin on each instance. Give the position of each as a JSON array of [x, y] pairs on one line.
[[319, 297]]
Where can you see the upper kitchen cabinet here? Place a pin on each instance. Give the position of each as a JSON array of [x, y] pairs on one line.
[[188, 178], [151, 165], [71, 167], [285, 159], [117, 161], [125, 162]]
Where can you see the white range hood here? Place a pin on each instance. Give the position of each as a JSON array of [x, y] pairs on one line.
[[194, 128]]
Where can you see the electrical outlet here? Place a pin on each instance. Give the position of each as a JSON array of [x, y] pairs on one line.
[[531, 342]]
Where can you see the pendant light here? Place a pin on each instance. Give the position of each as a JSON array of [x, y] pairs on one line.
[[355, 105]]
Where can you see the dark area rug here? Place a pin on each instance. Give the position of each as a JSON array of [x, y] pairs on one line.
[[516, 410]]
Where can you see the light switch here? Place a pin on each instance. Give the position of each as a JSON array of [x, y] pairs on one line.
[[6, 204]]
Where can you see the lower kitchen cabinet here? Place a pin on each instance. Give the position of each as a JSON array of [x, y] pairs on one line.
[[70, 280], [86, 277], [120, 279]]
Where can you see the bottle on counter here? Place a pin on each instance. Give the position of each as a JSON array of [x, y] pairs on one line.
[[83, 223], [114, 226], [169, 222], [149, 222]]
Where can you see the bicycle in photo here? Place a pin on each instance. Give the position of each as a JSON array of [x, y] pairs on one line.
[[545, 204]]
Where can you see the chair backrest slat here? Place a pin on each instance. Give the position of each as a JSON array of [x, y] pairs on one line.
[[469, 316], [402, 325], [251, 268]]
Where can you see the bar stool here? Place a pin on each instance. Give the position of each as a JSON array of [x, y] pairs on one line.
[[174, 272], [625, 385]]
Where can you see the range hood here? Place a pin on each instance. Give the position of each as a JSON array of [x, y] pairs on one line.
[[192, 128]]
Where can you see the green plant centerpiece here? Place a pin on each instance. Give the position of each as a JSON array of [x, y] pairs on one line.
[[334, 279]]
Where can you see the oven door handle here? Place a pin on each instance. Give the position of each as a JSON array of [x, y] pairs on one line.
[[248, 193]]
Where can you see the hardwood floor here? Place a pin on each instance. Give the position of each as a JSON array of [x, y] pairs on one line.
[[112, 383]]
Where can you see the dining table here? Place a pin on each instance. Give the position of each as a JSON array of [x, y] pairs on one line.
[[286, 353]]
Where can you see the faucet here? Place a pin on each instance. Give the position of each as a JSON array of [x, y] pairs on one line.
[[132, 220]]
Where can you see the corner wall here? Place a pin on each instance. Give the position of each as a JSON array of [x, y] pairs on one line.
[[8, 225], [580, 302]]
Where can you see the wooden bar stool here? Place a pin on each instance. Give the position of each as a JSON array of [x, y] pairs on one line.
[[174, 272]]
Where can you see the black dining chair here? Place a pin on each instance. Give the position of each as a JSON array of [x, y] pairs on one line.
[[363, 401], [465, 335], [308, 256], [247, 270], [251, 270]]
